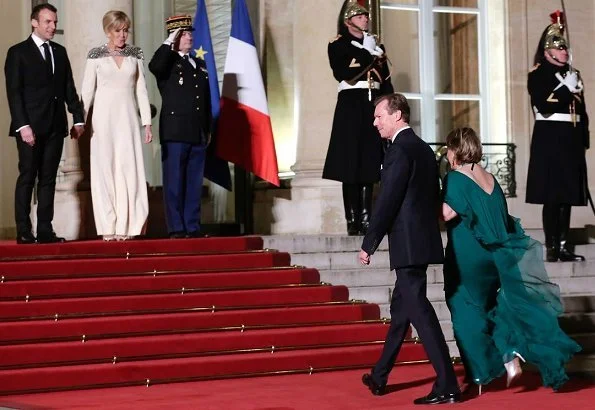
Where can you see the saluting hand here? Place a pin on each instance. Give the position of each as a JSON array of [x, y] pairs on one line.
[[27, 135], [173, 36]]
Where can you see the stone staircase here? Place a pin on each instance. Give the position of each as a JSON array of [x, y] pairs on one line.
[[335, 256]]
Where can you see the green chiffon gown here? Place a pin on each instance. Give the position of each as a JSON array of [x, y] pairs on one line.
[[497, 289]]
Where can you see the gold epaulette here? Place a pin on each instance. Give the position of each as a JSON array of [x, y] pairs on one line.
[[335, 39], [534, 67]]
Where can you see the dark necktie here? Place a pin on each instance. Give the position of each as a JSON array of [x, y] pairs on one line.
[[48, 58], [187, 58]]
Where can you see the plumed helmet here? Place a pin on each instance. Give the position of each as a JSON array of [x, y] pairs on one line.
[[554, 34], [354, 9]]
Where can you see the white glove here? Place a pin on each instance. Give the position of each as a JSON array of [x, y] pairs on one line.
[[571, 81], [378, 52], [355, 43], [369, 42], [172, 36]]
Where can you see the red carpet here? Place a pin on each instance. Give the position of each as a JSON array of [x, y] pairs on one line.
[[92, 314], [320, 391]]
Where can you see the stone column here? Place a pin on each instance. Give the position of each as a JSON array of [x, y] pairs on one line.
[[314, 205], [83, 30]]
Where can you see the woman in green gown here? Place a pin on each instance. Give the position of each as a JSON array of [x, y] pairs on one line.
[[503, 306]]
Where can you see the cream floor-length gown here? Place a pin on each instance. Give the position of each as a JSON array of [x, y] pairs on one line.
[[118, 184]]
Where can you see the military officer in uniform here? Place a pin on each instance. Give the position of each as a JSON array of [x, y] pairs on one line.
[[355, 150], [185, 125], [557, 176]]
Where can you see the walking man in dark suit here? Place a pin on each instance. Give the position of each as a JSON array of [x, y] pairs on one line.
[[184, 128], [38, 83], [407, 210]]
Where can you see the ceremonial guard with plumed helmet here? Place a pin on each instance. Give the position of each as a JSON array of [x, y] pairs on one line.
[[557, 175], [355, 150]]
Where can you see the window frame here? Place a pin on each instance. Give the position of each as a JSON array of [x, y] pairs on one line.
[[428, 95]]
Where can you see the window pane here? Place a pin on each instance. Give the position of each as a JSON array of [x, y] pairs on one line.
[[401, 39], [456, 47], [454, 114], [457, 3]]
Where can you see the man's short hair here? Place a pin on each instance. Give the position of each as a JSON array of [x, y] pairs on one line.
[[465, 145], [39, 7], [396, 102]]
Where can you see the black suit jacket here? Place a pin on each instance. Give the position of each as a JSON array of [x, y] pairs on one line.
[[35, 97], [408, 205], [185, 97]]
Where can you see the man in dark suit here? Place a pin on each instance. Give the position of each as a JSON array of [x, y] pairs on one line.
[[407, 209], [38, 83], [185, 126]]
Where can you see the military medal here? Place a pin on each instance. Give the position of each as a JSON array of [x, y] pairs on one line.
[[181, 81]]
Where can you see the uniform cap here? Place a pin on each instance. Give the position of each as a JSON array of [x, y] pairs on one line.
[[183, 22]]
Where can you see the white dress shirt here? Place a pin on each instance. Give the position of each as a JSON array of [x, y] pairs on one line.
[[398, 131], [39, 43], [190, 59]]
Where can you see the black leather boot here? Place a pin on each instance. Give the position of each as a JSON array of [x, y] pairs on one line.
[[566, 255], [350, 203], [550, 215], [366, 204]]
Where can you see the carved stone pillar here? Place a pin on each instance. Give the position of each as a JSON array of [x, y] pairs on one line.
[[318, 201], [83, 30]]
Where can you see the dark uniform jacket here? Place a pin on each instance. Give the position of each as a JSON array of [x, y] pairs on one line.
[[557, 168], [408, 204], [36, 97], [185, 94], [355, 149]]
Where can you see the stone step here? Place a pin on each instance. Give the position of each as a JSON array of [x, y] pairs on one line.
[[446, 327], [372, 276], [578, 322], [297, 244], [453, 348], [582, 365], [579, 303], [440, 307], [382, 294], [366, 276], [380, 260], [586, 340]]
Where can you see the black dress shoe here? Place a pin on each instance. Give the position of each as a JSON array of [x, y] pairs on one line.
[[177, 235], [196, 234], [434, 398], [552, 254], [26, 238], [50, 238], [374, 388], [567, 256]]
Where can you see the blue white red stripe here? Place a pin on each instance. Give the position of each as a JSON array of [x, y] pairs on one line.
[[245, 134]]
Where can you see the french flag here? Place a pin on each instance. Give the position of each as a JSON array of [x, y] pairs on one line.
[[244, 133]]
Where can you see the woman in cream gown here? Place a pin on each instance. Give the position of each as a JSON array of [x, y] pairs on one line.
[[114, 84]]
